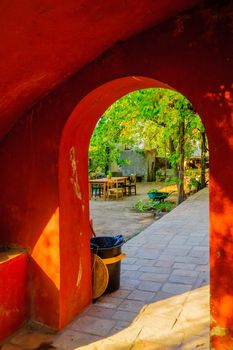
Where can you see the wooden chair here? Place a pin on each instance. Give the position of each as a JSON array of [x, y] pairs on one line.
[[130, 185], [114, 190], [97, 190]]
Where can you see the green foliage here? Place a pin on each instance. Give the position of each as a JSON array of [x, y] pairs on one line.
[[145, 119], [172, 181], [145, 205], [163, 206], [194, 182], [141, 206], [152, 190]]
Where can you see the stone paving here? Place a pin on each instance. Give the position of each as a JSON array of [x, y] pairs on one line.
[[163, 302]]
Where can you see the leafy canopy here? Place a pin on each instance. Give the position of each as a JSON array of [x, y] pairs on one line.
[[145, 119]]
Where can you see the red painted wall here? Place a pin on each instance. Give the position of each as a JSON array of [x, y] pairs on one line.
[[193, 54], [44, 42], [13, 277]]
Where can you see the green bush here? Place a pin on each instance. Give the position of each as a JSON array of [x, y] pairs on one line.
[[141, 206], [153, 190], [164, 206], [147, 205]]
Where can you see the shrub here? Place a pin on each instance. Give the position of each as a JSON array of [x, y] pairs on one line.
[[141, 206], [153, 190], [164, 206]]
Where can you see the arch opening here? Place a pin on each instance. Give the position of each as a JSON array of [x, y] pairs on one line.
[[73, 187]]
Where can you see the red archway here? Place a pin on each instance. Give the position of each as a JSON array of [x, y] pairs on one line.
[[73, 186]]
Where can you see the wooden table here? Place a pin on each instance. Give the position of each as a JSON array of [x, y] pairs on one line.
[[106, 182]]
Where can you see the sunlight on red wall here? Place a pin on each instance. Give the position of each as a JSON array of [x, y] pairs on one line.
[[46, 249], [221, 259]]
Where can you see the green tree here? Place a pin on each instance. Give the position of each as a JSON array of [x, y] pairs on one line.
[[158, 119]]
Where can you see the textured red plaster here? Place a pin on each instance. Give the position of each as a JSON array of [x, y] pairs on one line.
[[44, 42], [13, 303]]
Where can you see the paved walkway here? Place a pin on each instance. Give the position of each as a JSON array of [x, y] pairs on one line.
[[163, 302]]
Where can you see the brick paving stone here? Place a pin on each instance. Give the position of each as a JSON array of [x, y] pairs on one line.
[[177, 252], [141, 295], [203, 268], [160, 295], [93, 325], [193, 243], [131, 260], [165, 257], [163, 263], [160, 239], [120, 325], [145, 262], [134, 244], [131, 251], [123, 315], [120, 293], [108, 302], [175, 288], [200, 282], [201, 248], [131, 305], [185, 247], [195, 240], [154, 277], [197, 253], [149, 286], [182, 279], [146, 253], [127, 273], [129, 283], [178, 240], [183, 266], [154, 246], [125, 266], [100, 311], [192, 260], [179, 272], [155, 269]]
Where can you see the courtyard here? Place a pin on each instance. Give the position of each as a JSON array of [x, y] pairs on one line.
[[163, 301], [112, 217]]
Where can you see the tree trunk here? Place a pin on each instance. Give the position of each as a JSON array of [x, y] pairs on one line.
[[180, 169], [107, 165], [203, 159], [172, 150]]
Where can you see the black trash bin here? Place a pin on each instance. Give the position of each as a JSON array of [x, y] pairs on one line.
[[109, 247]]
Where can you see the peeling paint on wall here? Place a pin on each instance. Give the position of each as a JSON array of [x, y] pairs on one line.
[[80, 273], [220, 331], [74, 178]]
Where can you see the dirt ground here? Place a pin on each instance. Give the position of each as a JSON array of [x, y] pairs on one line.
[[112, 217]]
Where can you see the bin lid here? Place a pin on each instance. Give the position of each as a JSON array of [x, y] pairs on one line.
[[106, 242], [100, 277]]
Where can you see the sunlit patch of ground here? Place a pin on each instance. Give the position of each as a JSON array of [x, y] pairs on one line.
[[180, 322]]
